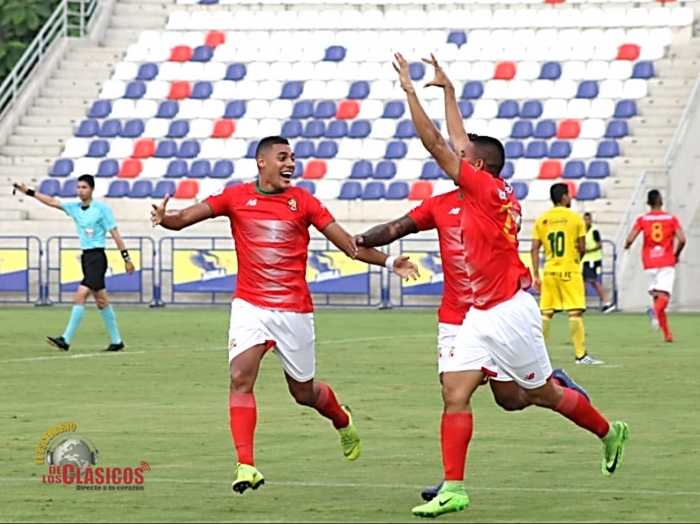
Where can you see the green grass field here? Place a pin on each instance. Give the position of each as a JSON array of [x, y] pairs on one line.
[[165, 400]]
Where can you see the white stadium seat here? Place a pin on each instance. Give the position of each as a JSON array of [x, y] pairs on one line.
[[338, 169], [201, 128], [327, 189], [75, 148], [592, 128], [112, 90], [583, 148], [526, 169], [122, 108], [213, 148], [190, 109], [408, 169], [121, 148], [156, 128], [154, 167]]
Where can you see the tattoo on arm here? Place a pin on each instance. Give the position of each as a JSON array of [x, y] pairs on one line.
[[384, 234]]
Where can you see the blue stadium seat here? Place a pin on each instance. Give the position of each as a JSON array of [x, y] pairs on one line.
[[598, 169], [588, 191], [235, 109], [395, 150], [132, 129], [617, 129], [560, 149], [118, 189], [108, 168], [472, 90], [50, 187], [165, 149], [386, 169], [608, 149], [167, 109], [88, 129], [200, 169], [536, 149], [373, 191], [514, 149], [508, 170], [508, 109], [291, 90], [309, 186], [520, 190], [314, 129], [458, 38], [135, 90], [335, 53], [62, 167], [337, 129], [178, 129], [298, 169], [69, 189], [110, 128], [202, 53], [644, 70], [201, 90], [163, 188], [222, 169], [362, 169], [431, 171], [545, 129], [252, 146], [327, 149], [188, 149], [416, 70], [147, 71], [625, 109], [141, 189], [236, 72], [531, 109], [522, 129], [397, 191], [405, 129], [100, 109], [325, 109], [292, 129], [360, 129], [550, 71], [98, 149], [358, 90], [466, 108], [304, 149], [394, 109], [231, 183], [303, 109], [587, 89], [176, 169], [574, 169], [350, 191]]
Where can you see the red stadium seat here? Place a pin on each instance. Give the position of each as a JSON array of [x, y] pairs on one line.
[[179, 90], [628, 52], [569, 129], [348, 109], [421, 190], [215, 38], [187, 189], [181, 53], [572, 188], [550, 169], [554, 1], [144, 148], [315, 169], [504, 71], [223, 129], [131, 168]]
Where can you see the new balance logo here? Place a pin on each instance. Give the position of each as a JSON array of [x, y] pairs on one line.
[[531, 376], [252, 202], [454, 211]]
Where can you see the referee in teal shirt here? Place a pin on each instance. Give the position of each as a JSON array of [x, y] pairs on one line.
[[93, 221]]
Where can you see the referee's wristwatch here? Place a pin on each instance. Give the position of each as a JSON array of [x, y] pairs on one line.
[[125, 255]]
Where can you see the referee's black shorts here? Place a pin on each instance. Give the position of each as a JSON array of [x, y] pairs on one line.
[[94, 264], [592, 270]]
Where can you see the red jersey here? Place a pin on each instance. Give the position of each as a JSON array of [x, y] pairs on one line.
[[659, 230], [271, 234], [444, 213], [490, 238]]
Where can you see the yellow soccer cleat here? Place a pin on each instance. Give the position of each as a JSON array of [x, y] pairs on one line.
[[247, 477], [350, 438]]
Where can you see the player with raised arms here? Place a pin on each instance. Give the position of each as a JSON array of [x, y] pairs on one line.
[[502, 333], [272, 306], [659, 258]]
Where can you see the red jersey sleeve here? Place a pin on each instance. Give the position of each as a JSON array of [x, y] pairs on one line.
[[317, 213], [638, 224], [423, 215], [472, 181], [676, 224], [220, 201]]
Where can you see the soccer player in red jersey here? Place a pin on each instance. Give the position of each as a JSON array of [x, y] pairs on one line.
[[502, 332], [659, 258], [272, 306]]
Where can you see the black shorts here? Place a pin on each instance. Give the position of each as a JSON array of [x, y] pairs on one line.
[[592, 270], [94, 264]]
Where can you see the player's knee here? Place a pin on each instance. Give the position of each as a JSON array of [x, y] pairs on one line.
[[241, 381], [510, 403]]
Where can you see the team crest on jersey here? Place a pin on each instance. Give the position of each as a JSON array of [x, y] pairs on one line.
[[508, 187], [292, 204], [232, 344], [502, 195]]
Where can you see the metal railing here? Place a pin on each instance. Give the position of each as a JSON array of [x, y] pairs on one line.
[[70, 19]]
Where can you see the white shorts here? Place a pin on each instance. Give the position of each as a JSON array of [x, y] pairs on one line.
[[661, 279], [291, 334], [447, 333], [505, 342]]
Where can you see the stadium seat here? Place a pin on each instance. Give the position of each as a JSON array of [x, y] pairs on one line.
[[397, 191], [616, 129], [88, 129], [608, 149], [200, 169], [303, 109], [625, 109], [291, 90], [141, 189], [362, 169], [588, 191], [132, 129], [314, 129], [420, 190], [50, 187], [292, 129], [395, 150], [628, 52], [215, 39], [536, 149], [223, 128], [325, 109], [252, 146], [386, 170], [472, 90], [574, 169], [201, 90], [508, 170], [100, 109], [308, 186], [504, 71], [163, 188], [108, 168], [514, 149], [304, 149], [327, 149], [98, 149], [550, 169], [222, 169], [531, 109], [373, 191], [431, 171], [202, 53], [144, 148], [131, 168], [179, 90], [560, 149], [177, 169], [458, 38], [178, 129], [394, 109], [569, 129], [550, 71], [405, 129], [598, 169], [417, 71], [643, 70], [350, 190], [466, 108], [180, 53], [118, 189], [315, 169], [508, 109], [519, 190], [62, 167], [359, 129], [587, 89], [358, 91], [334, 53], [522, 129], [135, 90], [187, 189], [545, 129], [236, 72], [189, 149], [147, 71], [167, 109]]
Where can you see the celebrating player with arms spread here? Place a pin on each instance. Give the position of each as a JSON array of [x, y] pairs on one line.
[[502, 333], [272, 306]]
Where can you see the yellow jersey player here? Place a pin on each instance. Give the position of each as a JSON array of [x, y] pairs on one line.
[[562, 233]]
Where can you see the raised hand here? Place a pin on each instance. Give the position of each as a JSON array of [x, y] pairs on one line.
[[158, 211], [405, 269], [402, 68], [20, 187], [440, 77]]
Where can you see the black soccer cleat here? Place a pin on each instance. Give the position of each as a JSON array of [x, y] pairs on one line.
[[115, 347], [58, 342]]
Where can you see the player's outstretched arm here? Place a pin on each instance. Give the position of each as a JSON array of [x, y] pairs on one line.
[[425, 128], [387, 233], [44, 199], [680, 242], [181, 218], [535, 259], [632, 237]]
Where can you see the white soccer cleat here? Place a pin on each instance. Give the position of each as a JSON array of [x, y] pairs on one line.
[[589, 360]]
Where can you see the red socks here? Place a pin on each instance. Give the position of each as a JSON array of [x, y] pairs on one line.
[[327, 405], [575, 407], [455, 433], [660, 305], [243, 417]]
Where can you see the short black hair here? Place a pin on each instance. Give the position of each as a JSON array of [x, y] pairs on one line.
[[587, 215], [653, 197], [557, 192], [266, 144], [491, 151], [88, 179]]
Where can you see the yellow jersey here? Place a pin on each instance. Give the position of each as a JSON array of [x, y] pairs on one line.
[[559, 230]]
